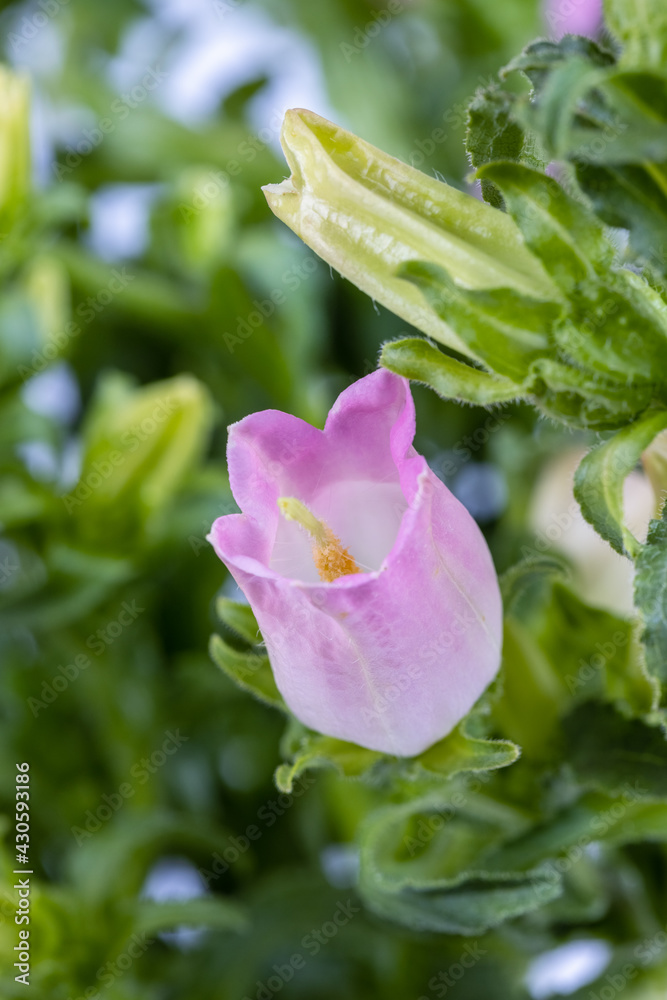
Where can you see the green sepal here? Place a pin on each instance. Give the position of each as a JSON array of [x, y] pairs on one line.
[[461, 753], [250, 671], [566, 237], [421, 361], [239, 618], [598, 483], [316, 752], [505, 329]]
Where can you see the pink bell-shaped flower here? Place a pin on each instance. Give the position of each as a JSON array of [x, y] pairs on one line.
[[373, 586]]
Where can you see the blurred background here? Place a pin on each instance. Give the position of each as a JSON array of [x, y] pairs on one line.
[[149, 299]]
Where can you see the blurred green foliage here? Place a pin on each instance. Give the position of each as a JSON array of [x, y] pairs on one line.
[[145, 759]]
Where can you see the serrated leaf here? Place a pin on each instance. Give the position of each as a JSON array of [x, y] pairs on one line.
[[611, 752], [503, 328], [421, 361], [561, 232], [326, 752], [250, 671], [651, 600], [539, 58], [598, 482], [493, 134]]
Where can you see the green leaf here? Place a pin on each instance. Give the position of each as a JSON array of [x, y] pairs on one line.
[[611, 752], [503, 328], [220, 914], [651, 600], [250, 671], [365, 213], [419, 360], [423, 864], [598, 484], [561, 232], [641, 27], [326, 752]]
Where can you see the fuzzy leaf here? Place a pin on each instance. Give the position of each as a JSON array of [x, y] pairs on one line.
[[600, 477], [421, 361]]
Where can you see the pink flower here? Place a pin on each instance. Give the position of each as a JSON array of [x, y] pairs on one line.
[[392, 641]]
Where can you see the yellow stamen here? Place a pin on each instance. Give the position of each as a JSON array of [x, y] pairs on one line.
[[330, 558]]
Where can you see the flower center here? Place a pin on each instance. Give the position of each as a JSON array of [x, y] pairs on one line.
[[330, 558]]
